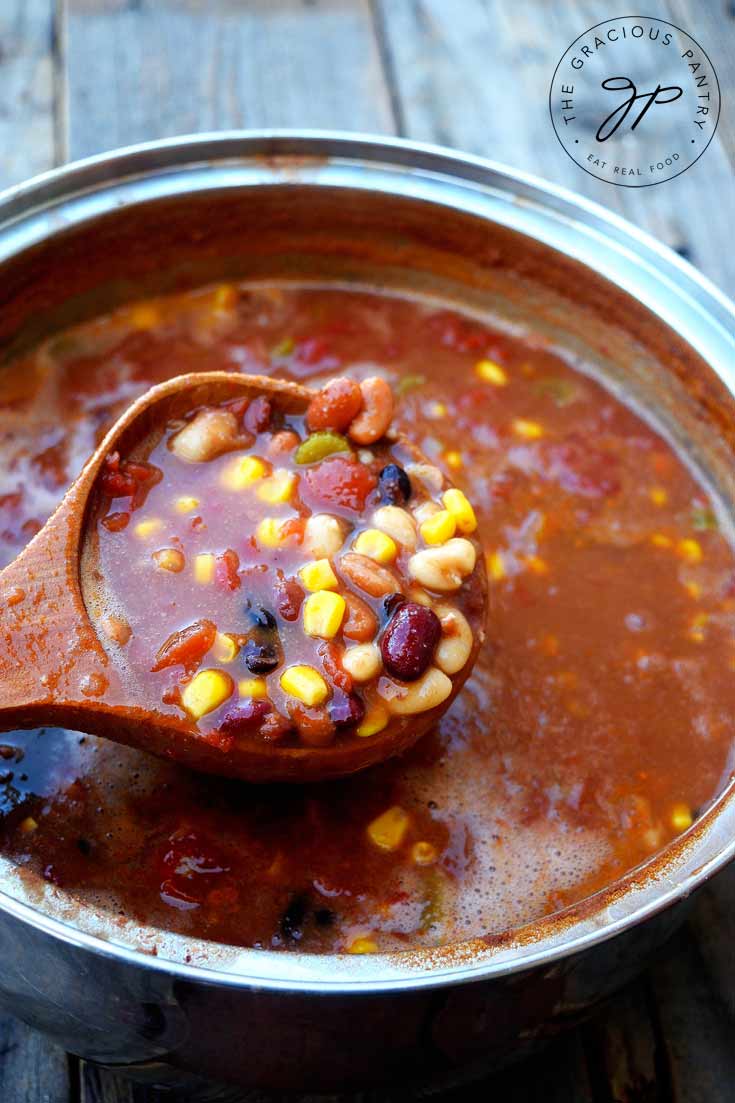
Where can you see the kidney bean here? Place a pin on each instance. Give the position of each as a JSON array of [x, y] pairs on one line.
[[346, 710], [392, 602], [245, 717], [409, 640], [394, 485], [335, 406]]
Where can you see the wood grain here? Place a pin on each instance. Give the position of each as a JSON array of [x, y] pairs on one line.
[[138, 71], [481, 83], [29, 64], [32, 1069]]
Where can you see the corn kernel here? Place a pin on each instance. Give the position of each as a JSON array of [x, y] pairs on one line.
[[144, 316], [169, 559], [693, 589], [243, 472], [144, 529], [681, 817], [268, 533], [186, 505], [305, 683], [460, 508], [278, 488], [28, 825], [388, 830], [536, 564], [658, 495], [697, 627], [529, 430], [204, 568], [376, 545], [660, 540], [362, 945], [423, 854], [495, 566], [252, 687], [225, 648], [323, 613], [454, 460], [490, 372], [439, 528], [691, 550], [225, 297], [376, 718], [437, 410], [318, 575], [206, 692]]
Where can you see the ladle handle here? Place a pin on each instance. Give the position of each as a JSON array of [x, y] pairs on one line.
[[51, 661]]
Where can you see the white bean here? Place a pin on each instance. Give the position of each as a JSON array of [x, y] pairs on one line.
[[207, 435], [324, 535], [428, 691], [443, 568], [398, 524], [455, 646], [362, 663]]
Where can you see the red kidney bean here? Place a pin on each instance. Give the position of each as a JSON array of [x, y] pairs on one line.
[[335, 406], [346, 710], [245, 717], [409, 640]]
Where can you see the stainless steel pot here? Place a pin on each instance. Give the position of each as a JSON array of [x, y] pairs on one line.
[[324, 207]]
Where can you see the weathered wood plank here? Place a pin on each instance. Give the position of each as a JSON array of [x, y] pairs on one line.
[[32, 1069], [29, 59], [138, 71], [477, 77]]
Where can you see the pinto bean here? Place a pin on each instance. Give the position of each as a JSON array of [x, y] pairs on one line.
[[374, 420], [369, 576], [335, 406], [360, 622]]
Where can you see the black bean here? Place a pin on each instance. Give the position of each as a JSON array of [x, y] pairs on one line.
[[260, 658], [260, 617], [409, 640], [324, 917], [292, 920], [394, 485]]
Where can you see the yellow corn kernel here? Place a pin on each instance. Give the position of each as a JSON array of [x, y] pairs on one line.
[[225, 648], [323, 613], [144, 529], [697, 627], [423, 854], [206, 692], [376, 545], [28, 825], [318, 575], [204, 568], [454, 460], [278, 488], [144, 316], [169, 559], [252, 687], [362, 945], [660, 540], [305, 683], [490, 372], [681, 817], [439, 528], [225, 297], [689, 549], [186, 505], [268, 533], [536, 564], [388, 830], [243, 472], [255, 688], [376, 718], [460, 508], [658, 495], [529, 430], [693, 589], [495, 566], [437, 409]]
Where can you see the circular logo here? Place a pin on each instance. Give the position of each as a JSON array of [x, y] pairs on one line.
[[635, 101]]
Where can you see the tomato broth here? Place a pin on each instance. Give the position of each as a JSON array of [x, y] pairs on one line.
[[596, 724]]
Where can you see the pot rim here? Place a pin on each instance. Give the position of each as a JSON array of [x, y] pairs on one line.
[[627, 256]]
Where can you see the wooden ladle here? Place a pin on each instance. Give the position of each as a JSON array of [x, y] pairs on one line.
[[54, 669]]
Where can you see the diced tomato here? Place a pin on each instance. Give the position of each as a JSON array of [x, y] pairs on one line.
[[340, 481], [226, 570], [127, 478], [187, 647], [289, 596], [191, 869], [329, 655], [580, 468]]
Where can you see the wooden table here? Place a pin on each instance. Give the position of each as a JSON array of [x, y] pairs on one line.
[[81, 76]]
